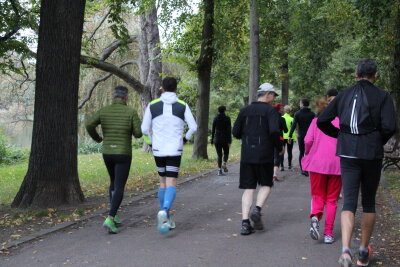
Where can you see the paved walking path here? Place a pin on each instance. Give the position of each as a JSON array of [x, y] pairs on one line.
[[207, 214]]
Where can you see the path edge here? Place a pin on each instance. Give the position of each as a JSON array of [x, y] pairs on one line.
[[126, 202]]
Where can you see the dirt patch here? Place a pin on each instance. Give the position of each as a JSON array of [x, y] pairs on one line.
[[386, 237]]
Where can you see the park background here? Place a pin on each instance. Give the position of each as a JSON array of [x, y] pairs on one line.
[[219, 50]]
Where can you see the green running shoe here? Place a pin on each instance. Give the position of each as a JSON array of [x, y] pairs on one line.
[[117, 220], [110, 226], [171, 223]]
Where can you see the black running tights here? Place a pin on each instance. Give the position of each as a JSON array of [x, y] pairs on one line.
[[118, 167], [222, 148]]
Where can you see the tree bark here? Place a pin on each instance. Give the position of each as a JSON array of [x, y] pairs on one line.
[[285, 79], [150, 65], [254, 79], [395, 73], [52, 176], [204, 65], [153, 47]]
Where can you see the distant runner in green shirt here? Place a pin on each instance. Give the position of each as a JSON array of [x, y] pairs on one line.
[[289, 145]]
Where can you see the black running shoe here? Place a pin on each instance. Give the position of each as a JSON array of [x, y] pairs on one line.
[[364, 256], [256, 218], [246, 229]]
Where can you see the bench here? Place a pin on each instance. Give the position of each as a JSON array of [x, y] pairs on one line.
[[391, 154]]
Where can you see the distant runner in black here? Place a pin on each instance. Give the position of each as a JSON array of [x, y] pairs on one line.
[[222, 138], [303, 118]]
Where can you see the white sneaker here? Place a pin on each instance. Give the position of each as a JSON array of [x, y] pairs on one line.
[[314, 229], [329, 239]]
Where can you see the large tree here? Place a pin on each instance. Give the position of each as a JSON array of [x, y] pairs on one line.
[[204, 65], [395, 71], [254, 79], [52, 177]]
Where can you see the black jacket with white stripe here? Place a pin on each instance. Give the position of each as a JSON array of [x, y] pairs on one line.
[[356, 136]]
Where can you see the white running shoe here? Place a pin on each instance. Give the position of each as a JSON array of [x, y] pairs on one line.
[[329, 239], [162, 222]]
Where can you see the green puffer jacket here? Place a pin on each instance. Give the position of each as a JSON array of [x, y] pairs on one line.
[[118, 123]]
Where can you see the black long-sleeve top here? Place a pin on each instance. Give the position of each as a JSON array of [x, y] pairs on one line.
[[363, 146], [258, 127]]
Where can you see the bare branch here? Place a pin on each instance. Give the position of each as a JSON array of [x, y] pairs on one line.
[[113, 46], [102, 79], [101, 23], [105, 66], [21, 120]]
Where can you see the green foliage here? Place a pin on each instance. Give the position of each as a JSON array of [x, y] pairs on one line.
[[16, 19], [88, 146], [10, 154]]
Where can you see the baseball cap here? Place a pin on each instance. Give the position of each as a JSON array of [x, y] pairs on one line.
[[267, 87]]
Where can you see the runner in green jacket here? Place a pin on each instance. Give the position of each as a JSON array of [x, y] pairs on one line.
[[118, 123]]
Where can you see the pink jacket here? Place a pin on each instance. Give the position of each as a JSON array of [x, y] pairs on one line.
[[320, 151]]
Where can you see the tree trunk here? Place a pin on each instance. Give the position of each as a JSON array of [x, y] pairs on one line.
[[52, 177], [395, 73], [204, 65], [153, 44], [254, 79], [150, 62], [285, 80]]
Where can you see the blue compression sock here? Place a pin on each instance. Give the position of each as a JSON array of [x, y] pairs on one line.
[[161, 195], [169, 197]]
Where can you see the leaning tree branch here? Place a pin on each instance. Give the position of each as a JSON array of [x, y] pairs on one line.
[[102, 79], [114, 45], [17, 27], [100, 24], [108, 67]]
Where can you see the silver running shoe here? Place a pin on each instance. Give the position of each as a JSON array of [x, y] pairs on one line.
[[314, 229]]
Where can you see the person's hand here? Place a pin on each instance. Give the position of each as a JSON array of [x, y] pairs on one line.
[[281, 153], [290, 140], [184, 140]]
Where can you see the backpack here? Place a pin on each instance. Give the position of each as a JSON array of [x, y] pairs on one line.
[[356, 117]]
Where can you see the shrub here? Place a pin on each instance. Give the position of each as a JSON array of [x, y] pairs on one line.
[[89, 146], [10, 154]]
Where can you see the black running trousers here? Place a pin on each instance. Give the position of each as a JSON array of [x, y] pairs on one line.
[[222, 148], [301, 149], [118, 167], [289, 152], [356, 174]]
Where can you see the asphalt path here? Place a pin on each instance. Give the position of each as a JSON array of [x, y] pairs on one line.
[[207, 212]]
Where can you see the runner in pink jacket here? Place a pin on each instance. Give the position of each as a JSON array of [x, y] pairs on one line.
[[321, 162]]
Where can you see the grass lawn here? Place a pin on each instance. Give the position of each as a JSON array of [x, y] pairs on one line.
[[94, 178], [393, 183]]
